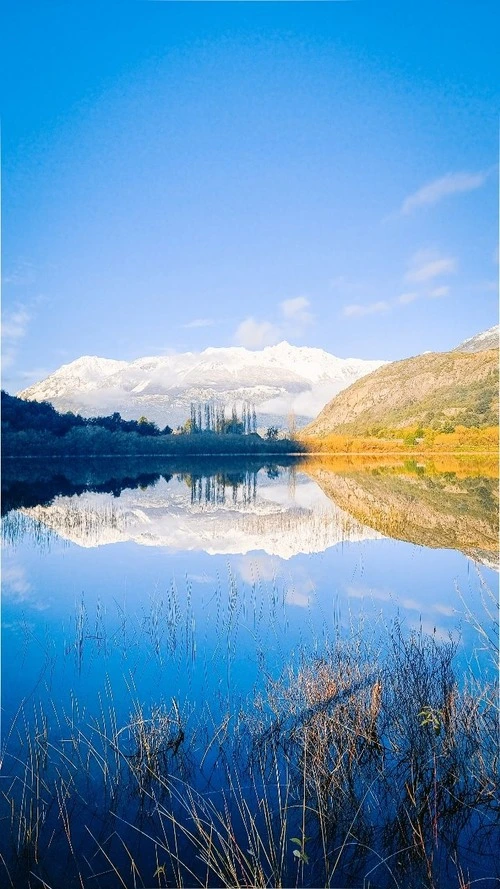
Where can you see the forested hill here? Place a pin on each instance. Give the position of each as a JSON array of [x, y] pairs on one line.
[[39, 416], [31, 428]]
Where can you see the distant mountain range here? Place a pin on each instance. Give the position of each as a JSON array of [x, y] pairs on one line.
[[277, 380], [433, 389]]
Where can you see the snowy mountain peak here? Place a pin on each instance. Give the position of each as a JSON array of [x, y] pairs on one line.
[[488, 339], [278, 380]]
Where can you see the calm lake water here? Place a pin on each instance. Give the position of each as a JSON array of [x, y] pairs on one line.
[[153, 609]]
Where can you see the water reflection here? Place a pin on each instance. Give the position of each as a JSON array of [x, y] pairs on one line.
[[449, 504], [209, 716], [234, 507]]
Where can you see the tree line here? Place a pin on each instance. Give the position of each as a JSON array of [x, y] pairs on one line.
[[31, 428], [20, 415]]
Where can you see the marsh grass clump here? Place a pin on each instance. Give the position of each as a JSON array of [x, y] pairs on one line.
[[154, 741], [390, 754]]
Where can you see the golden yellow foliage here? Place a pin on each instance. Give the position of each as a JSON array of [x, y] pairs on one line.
[[462, 440]]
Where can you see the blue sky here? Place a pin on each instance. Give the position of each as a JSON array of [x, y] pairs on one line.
[[184, 175]]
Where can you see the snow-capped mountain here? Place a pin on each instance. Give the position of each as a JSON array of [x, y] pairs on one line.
[[277, 380], [488, 339]]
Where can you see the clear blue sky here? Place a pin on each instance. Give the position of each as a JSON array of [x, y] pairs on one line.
[[184, 175]]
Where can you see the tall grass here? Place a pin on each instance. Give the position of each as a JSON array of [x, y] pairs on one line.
[[366, 765]]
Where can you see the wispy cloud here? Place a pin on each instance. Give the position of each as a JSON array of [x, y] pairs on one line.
[[14, 324], [426, 265], [14, 328], [254, 334], [435, 191], [21, 274], [423, 267], [300, 595], [198, 322], [296, 318], [438, 292], [297, 311], [357, 310], [17, 588], [29, 377], [406, 298]]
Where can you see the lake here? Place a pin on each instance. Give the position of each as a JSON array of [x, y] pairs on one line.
[[236, 673]]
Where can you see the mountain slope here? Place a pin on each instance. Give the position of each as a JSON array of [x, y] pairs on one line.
[[488, 339], [278, 379], [431, 389]]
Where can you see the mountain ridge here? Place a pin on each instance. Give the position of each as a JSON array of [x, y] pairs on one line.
[[277, 379], [487, 339]]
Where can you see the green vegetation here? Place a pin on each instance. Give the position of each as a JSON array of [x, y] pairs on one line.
[[471, 405], [415, 399], [404, 440], [36, 429]]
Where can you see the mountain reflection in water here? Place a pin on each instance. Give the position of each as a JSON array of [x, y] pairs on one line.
[[236, 507], [162, 687]]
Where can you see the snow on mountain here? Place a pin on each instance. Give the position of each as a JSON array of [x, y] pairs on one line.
[[278, 379], [278, 523], [85, 374], [488, 339]]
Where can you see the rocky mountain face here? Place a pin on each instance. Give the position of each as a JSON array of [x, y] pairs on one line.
[[488, 339], [431, 389], [278, 380]]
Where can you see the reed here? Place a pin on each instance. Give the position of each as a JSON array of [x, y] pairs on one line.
[[368, 764]]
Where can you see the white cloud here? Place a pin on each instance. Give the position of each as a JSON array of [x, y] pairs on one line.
[[15, 582], [15, 324], [17, 588], [254, 568], [200, 578], [14, 328], [435, 191], [407, 298], [254, 334], [428, 264], [438, 292], [487, 286], [22, 274], [199, 322], [296, 310], [357, 310], [29, 377], [301, 595], [296, 318], [8, 358]]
